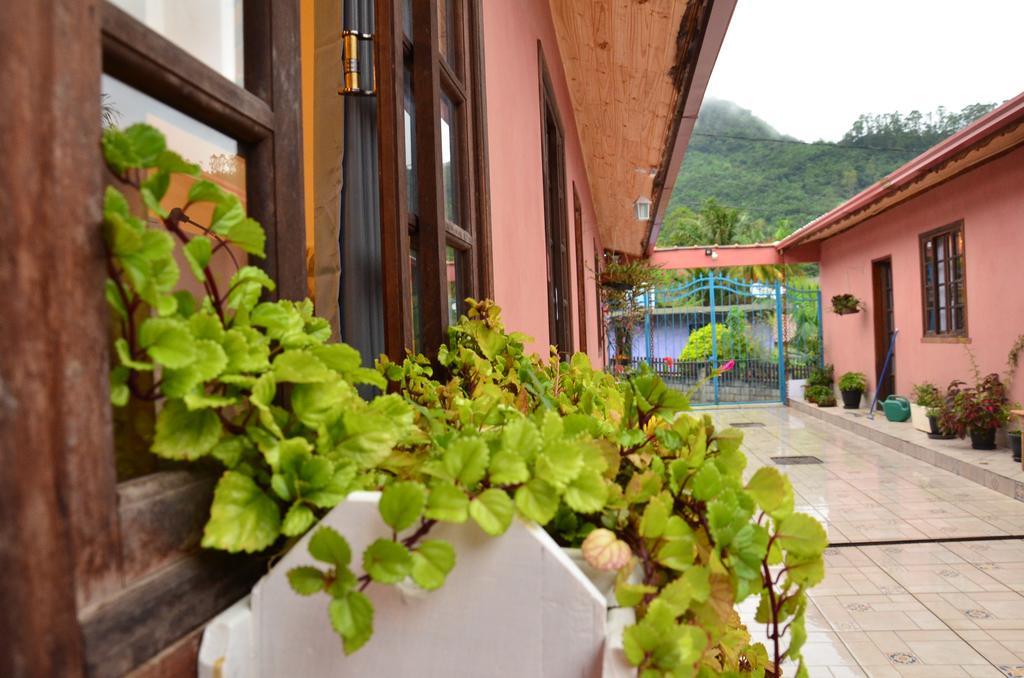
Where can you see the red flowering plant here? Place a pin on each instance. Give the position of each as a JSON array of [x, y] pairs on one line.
[[980, 407]]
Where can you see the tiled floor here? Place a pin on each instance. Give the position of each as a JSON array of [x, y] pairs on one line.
[[931, 609]]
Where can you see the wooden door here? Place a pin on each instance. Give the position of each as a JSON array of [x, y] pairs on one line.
[[884, 324]]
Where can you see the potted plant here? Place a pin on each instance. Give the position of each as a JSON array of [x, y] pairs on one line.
[[976, 411], [845, 304], [827, 400], [253, 390], [624, 290], [925, 398], [815, 394], [852, 385]]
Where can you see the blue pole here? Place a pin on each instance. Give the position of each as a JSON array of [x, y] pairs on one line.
[[821, 335], [647, 329], [885, 369], [714, 337], [781, 343]]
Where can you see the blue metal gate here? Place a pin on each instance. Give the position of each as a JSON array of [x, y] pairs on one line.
[[689, 331]]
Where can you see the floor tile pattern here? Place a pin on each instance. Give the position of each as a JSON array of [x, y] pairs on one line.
[[932, 609]]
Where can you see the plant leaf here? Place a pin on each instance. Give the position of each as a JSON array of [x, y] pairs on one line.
[[242, 516], [493, 511], [387, 562], [432, 560], [327, 546], [402, 504]]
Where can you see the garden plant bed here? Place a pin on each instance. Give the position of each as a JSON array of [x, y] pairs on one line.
[[995, 470]]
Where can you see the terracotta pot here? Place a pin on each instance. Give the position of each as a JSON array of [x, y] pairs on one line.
[[983, 439]]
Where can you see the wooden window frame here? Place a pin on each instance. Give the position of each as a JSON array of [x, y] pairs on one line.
[[555, 221], [110, 574], [433, 233], [581, 280], [929, 294], [602, 345]]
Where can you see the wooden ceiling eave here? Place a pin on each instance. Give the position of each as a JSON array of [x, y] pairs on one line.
[[626, 64]]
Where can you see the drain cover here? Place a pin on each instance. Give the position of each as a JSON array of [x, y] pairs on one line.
[[797, 460], [746, 424]]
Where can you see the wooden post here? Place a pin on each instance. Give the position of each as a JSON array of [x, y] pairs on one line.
[[57, 490]]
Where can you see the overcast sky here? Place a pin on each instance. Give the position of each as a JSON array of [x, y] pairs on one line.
[[810, 67]]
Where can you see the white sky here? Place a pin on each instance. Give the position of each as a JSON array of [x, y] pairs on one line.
[[810, 67]]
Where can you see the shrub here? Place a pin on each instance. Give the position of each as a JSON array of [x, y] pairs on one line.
[[816, 394], [853, 381], [822, 376], [731, 345]]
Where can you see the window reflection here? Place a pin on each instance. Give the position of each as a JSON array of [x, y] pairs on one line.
[[449, 160], [412, 187], [216, 154], [210, 30], [414, 276], [453, 274]]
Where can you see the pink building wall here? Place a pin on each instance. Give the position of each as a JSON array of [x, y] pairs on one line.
[[990, 201], [511, 31]]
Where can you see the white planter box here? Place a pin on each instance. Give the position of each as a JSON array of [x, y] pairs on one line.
[[919, 418], [514, 605], [795, 388]]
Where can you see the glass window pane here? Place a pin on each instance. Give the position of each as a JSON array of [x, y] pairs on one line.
[[407, 18], [412, 185], [220, 162], [414, 276], [450, 160], [454, 276], [210, 30], [446, 26], [216, 154]]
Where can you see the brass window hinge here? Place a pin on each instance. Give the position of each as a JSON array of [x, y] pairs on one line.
[[352, 79]]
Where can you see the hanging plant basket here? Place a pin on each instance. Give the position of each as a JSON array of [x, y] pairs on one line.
[[845, 304]]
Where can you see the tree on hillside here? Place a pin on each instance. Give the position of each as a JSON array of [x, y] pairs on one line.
[[715, 224], [781, 183]]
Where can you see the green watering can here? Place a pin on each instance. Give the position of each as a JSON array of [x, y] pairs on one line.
[[896, 408]]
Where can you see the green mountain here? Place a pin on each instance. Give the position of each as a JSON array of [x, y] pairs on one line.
[[777, 183]]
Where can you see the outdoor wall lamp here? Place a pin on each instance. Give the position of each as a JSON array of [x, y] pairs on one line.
[[708, 252], [642, 207], [351, 86]]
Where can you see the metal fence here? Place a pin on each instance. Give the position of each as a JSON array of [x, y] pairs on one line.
[[690, 331]]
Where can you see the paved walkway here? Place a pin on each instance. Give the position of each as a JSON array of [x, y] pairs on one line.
[[901, 596]]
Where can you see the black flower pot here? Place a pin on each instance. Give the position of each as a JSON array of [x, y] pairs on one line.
[[1015, 444], [983, 439], [936, 433], [851, 400]]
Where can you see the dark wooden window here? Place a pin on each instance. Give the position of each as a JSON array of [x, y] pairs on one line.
[[601, 343], [581, 277], [111, 571], [434, 205], [555, 228], [944, 291]]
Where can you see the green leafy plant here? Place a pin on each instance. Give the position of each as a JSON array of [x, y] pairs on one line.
[[252, 387], [822, 376], [624, 286], [817, 394], [853, 381], [927, 395], [731, 342], [844, 304]]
